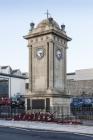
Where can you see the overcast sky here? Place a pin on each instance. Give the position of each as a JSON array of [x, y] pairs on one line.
[[15, 16]]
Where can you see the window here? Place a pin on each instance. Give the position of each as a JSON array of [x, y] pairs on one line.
[[27, 86]]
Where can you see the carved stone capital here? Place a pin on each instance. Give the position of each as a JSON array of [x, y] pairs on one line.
[[29, 45]]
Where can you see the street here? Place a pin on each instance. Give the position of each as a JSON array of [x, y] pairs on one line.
[[7, 133]]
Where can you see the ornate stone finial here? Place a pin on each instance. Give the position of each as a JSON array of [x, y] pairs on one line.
[[50, 19], [47, 13], [31, 26], [63, 27]]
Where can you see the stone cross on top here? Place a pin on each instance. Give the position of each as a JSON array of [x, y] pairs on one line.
[[47, 14]]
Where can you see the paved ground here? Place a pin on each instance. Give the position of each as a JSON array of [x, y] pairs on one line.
[[7, 133], [88, 122], [49, 126]]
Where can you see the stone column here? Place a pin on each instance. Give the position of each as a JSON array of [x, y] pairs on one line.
[[51, 65], [65, 69], [30, 68]]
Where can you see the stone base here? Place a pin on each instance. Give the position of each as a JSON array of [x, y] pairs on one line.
[[53, 103], [60, 107]]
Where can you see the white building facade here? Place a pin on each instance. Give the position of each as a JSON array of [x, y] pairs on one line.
[[12, 82]]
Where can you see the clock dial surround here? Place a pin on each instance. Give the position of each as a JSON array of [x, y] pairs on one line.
[[59, 54], [39, 53]]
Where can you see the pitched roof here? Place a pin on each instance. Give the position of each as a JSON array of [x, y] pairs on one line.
[[4, 67]]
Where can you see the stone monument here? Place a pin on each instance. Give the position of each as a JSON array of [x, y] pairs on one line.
[[47, 44]]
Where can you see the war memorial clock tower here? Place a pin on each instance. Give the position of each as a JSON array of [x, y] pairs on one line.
[[47, 44]]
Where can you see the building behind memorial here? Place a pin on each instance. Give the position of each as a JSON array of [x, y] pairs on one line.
[[80, 82], [12, 82]]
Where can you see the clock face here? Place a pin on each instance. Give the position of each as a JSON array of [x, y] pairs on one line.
[[40, 53], [58, 54]]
